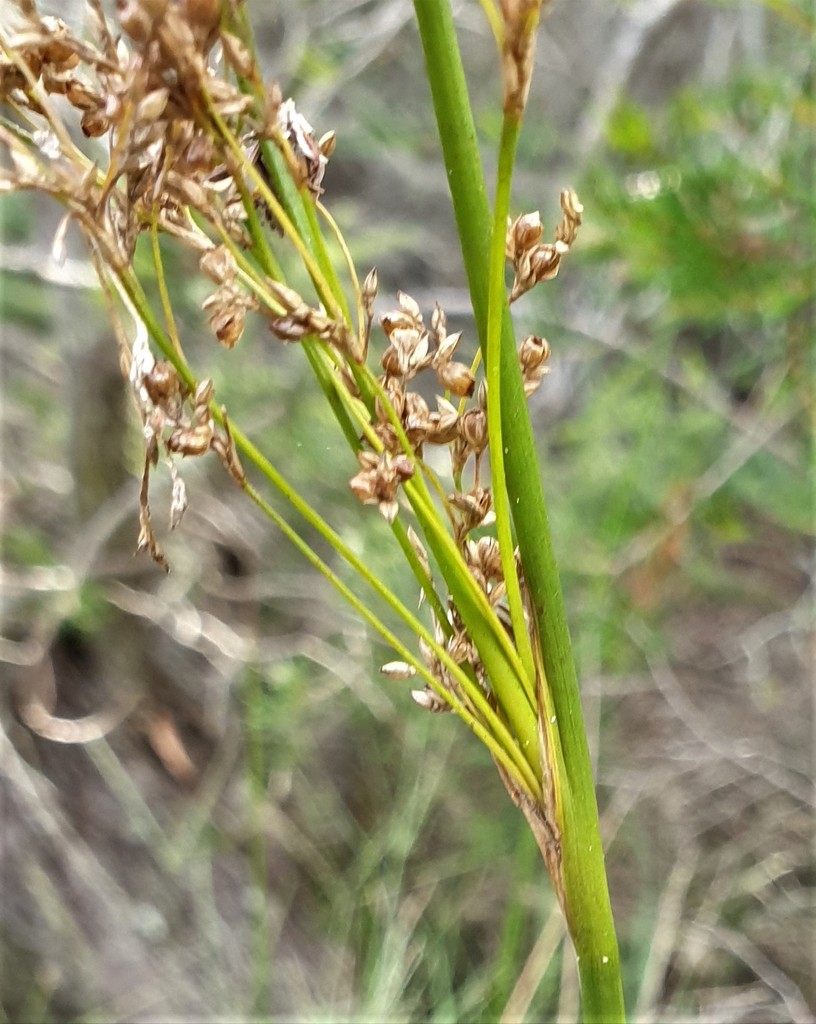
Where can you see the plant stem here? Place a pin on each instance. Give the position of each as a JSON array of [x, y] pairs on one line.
[[511, 127], [589, 915]]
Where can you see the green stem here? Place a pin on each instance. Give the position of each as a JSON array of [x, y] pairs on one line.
[[511, 128], [587, 897]]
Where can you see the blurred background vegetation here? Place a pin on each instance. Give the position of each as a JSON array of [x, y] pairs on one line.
[[273, 830]]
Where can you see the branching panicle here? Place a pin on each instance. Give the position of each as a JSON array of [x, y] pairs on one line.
[[202, 151], [185, 144]]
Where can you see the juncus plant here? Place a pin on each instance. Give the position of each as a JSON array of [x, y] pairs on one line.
[[199, 147]]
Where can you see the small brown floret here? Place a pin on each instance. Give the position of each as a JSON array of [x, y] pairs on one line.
[[379, 479]]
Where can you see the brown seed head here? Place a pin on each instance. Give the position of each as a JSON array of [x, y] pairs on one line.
[[523, 233], [456, 378], [533, 355], [140, 18], [442, 424], [473, 430], [237, 55], [379, 479]]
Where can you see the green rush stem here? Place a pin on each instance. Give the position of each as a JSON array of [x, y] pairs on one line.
[[352, 271], [400, 531], [322, 256], [261, 249], [499, 656], [318, 356], [252, 279], [589, 913], [298, 202], [511, 127]]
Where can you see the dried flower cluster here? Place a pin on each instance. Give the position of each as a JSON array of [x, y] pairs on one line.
[[179, 99], [517, 46], [532, 259], [180, 423], [155, 94]]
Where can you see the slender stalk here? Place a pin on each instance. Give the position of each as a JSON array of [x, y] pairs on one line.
[[167, 306], [511, 127], [588, 909]]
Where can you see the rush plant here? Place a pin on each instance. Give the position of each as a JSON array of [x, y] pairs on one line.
[[183, 138]]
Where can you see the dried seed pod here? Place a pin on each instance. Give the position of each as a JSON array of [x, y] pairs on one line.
[[203, 17], [58, 49], [572, 210], [379, 479], [410, 308], [369, 289], [398, 670], [533, 355], [475, 508], [473, 430], [456, 378], [163, 384], [81, 97], [152, 106], [430, 700], [523, 234], [533, 352], [442, 424], [533, 260], [218, 264], [139, 18]]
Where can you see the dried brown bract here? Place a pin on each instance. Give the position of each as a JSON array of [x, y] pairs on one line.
[[518, 50], [310, 156]]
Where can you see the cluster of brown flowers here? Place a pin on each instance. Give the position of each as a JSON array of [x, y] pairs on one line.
[[179, 422], [155, 93], [186, 148], [532, 259]]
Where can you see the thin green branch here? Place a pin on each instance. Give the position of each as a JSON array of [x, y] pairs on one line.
[[496, 301], [164, 295]]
